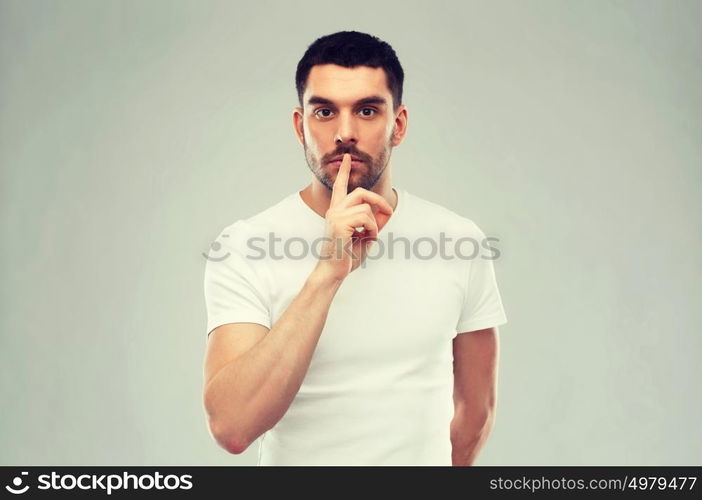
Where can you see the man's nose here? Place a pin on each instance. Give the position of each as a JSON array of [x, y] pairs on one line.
[[346, 133]]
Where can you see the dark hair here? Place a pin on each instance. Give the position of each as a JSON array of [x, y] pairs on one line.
[[350, 49]]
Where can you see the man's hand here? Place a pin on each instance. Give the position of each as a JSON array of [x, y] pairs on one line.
[[346, 247]]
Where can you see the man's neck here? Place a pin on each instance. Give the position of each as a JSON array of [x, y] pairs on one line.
[[318, 197]]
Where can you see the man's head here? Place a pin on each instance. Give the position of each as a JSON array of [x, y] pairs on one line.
[[349, 87]]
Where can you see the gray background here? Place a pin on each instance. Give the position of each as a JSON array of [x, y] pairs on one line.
[[132, 132]]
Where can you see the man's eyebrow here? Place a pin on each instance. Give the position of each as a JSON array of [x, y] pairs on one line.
[[374, 99]]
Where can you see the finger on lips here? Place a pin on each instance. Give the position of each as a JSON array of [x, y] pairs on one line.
[[369, 202], [341, 184]]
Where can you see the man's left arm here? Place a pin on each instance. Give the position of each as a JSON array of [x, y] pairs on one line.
[[475, 360]]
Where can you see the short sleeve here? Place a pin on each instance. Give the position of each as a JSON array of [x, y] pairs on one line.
[[234, 290], [482, 304]]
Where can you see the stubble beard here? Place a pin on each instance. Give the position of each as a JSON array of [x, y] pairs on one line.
[[365, 176]]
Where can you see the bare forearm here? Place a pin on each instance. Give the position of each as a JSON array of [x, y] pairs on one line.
[[469, 433], [251, 394]]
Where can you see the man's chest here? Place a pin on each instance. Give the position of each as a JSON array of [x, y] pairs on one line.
[[389, 321]]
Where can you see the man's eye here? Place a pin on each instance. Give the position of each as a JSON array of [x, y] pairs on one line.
[[320, 110]]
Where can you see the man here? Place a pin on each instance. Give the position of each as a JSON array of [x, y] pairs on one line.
[[333, 354]]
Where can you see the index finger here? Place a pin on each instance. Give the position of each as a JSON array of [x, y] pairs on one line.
[[341, 184]]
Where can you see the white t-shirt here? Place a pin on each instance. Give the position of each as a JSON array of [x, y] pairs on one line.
[[379, 389]]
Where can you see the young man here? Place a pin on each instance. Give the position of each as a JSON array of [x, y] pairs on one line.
[[338, 331]]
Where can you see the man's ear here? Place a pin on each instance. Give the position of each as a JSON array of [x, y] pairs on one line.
[[299, 117], [400, 126], [394, 137]]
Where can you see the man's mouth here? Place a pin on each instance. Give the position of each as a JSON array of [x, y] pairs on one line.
[[354, 163]]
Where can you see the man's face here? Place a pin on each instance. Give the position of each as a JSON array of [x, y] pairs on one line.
[[347, 110]]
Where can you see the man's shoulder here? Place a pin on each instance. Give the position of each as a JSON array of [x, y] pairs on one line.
[[260, 223], [278, 213], [432, 216]]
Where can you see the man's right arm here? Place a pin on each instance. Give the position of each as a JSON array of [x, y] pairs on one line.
[[252, 374]]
